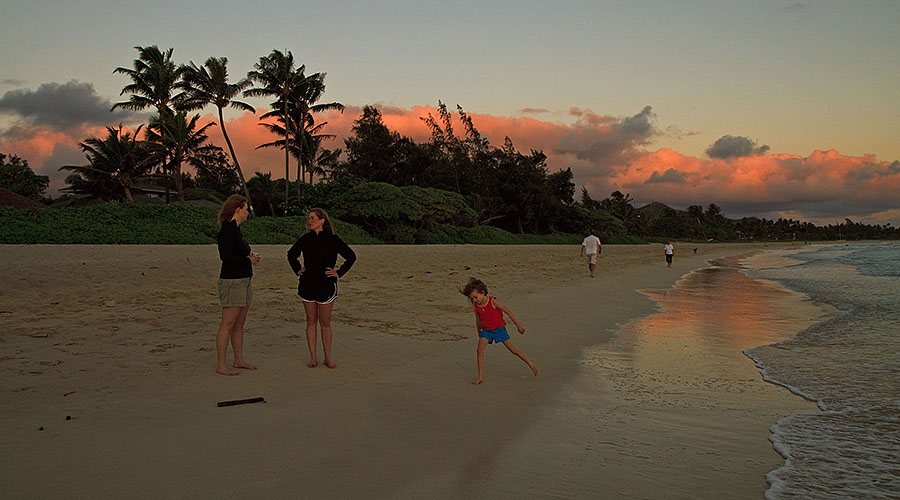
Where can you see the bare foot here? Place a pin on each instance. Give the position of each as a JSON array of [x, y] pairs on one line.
[[312, 364], [244, 366], [226, 371], [480, 380], [535, 370], [329, 364]]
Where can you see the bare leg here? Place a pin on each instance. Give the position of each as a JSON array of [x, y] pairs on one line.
[[312, 318], [229, 317], [479, 354], [591, 267], [325, 324], [515, 350], [237, 340]]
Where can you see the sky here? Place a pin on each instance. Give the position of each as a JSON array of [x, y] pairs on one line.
[[765, 108]]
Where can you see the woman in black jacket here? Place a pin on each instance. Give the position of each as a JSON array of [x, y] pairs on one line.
[[318, 282], [234, 283]]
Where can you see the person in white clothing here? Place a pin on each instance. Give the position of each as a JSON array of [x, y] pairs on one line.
[[591, 248], [669, 250]]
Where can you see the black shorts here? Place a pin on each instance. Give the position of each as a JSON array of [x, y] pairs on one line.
[[323, 292]]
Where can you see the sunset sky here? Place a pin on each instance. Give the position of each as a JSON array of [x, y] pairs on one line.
[[768, 108]]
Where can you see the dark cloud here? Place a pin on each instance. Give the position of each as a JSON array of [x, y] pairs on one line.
[[63, 154], [873, 170], [729, 146], [62, 105], [670, 175], [796, 8], [12, 82], [605, 140]]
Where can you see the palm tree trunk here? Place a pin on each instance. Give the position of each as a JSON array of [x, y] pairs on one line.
[[302, 150], [237, 166], [179, 182], [128, 195], [301, 166], [287, 153], [166, 177]]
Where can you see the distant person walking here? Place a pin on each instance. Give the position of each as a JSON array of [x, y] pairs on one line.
[[490, 325], [234, 283], [318, 282], [591, 247], [669, 250]]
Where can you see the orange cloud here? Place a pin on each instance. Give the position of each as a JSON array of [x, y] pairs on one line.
[[605, 154]]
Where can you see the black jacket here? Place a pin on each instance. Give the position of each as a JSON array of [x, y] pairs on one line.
[[234, 252], [320, 251]]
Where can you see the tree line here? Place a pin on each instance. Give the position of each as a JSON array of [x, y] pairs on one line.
[[386, 183], [174, 137]]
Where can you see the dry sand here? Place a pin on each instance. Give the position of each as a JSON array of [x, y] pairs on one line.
[[121, 339]]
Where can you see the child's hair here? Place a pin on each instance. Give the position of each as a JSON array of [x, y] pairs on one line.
[[473, 285], [230, 206]]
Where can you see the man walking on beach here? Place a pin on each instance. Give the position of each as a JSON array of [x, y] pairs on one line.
[[591, 247], [669, 250]]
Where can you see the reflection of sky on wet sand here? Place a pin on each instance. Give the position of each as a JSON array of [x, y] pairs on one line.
[[671, 408], [719, 308], [681, 375]]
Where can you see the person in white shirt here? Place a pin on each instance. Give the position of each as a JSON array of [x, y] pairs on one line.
[[591, 248], [669, 250]]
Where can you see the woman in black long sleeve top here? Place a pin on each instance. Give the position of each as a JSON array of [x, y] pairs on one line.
[[234, 283], [318, 283]]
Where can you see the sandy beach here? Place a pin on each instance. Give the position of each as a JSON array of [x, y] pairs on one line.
[[109, 391]]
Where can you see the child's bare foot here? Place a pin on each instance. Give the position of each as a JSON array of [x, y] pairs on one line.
[[535, 370], [329, 364], [478, 381], [244, 366], [226, 371], [312, 364]]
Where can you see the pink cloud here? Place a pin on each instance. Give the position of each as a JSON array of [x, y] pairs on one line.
[[605, 153]]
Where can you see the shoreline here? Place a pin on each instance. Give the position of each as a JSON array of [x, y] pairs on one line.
[[397, 419], [650, 419]]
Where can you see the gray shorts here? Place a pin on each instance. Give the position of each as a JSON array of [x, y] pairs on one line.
[[235, 292], [591, 258]]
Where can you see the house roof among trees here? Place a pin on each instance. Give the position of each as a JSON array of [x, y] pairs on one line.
[[10, 199]]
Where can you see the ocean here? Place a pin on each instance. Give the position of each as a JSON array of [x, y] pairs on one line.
[[848, 364], [775, 375]]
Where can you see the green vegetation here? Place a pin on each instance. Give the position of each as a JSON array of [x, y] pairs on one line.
[[17, 176], [129, 224], [454, 188], [125, 223]]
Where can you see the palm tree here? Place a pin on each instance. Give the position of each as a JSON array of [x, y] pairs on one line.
[[320, 160], [306, 94], [181, 141], [154, 80], [275, 76], [208, 84], [306, 148], [263, 187], [114, 164]]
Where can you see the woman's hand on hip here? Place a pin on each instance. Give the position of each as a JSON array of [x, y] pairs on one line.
[[330, 272]]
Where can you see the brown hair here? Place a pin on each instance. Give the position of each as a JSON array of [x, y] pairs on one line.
[[322, 214], [474, 284], [230, 206]]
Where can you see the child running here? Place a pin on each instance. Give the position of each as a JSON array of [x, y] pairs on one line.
[[490, 324]]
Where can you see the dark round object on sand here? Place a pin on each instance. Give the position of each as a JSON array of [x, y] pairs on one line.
[[68, 417], [41, 428]]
